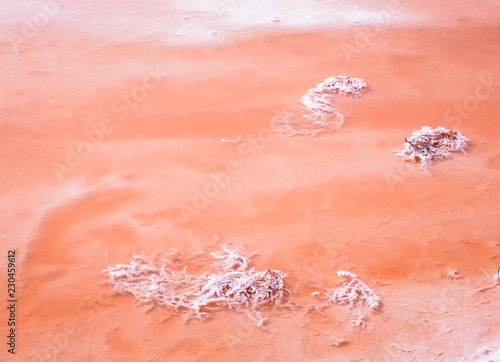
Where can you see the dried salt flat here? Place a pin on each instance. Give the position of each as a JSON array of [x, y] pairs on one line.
[[230, 284], [319, 114], [428, 144]]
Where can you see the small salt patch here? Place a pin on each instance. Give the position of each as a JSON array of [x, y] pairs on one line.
[[346, 274], [485, 350], [429, 144], [354, 290], [319, 114], [213, 34], [453, 274]]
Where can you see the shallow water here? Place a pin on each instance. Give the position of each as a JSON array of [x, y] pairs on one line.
[[157, 175]]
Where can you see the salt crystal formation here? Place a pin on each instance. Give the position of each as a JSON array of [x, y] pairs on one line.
[[353, 291], [319, 114], [232, 287], [428, 144], [237, 289], [147, 283]]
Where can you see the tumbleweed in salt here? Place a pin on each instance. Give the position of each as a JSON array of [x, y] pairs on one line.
[[428, 144], [228, 285], [239, 289], [319, 114], [354, 290]]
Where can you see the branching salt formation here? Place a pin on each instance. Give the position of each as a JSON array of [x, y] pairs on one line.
[[231, 260], [156, 285], [354, 290], [233, 286], [238, 289], [429, 144], [319, 114]]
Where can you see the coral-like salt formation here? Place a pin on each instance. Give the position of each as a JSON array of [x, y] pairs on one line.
[[428, 144], [150, 284], [234, 286], [238, 289], [353, 291], [319, 114]]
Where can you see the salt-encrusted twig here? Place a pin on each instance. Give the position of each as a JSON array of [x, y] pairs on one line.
[[428, 144], [239, 289], [230, 260], [319, 114], [147, 283], [354, 290]]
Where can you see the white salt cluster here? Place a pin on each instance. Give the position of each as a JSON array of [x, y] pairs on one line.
[[147, 283], [486, 354], [319, 114], [429, 144], [453, 274], [232, 287], [497, 275], [230, 260], [237, 289], [353, 291]]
